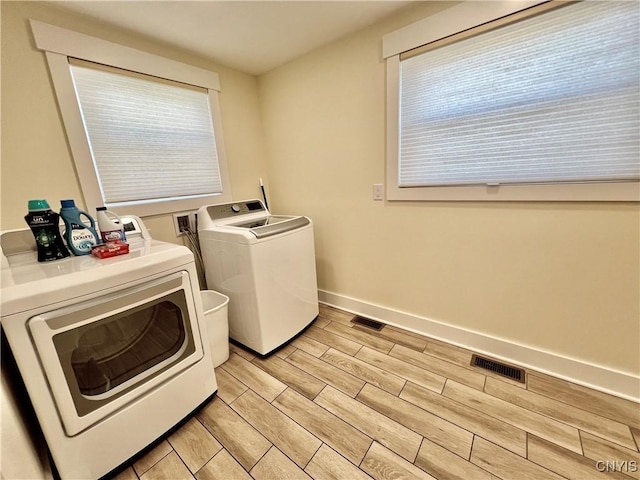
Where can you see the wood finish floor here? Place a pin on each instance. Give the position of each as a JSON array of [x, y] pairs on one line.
[[344, 402]]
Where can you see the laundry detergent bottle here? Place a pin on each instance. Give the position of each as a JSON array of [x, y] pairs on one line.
[[110, 225], [80, 231], [44, 225]]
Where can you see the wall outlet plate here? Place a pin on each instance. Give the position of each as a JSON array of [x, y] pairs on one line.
[[184, 220]]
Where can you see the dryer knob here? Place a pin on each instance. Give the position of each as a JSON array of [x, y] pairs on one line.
[[235, 208]]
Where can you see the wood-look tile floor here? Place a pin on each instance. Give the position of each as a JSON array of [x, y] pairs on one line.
[[345, 402]]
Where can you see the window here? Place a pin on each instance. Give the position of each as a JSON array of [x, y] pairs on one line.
[[144, 131], [150, 139], [543, 105]]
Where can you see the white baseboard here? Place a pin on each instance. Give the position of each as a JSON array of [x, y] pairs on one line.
[[598, 377]]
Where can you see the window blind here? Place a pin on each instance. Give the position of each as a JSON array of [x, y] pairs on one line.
[[150, 139], [552, 98]]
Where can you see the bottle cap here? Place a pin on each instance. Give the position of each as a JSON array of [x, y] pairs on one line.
[[67, 203], [100, 209], [35, 205]]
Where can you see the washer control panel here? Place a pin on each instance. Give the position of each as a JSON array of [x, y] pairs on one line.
[[235, 209]]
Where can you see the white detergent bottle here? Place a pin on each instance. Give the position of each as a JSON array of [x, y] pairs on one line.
[[110, 225]]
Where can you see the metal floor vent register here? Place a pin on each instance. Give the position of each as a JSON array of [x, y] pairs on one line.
[[367, 322], [508, 371]]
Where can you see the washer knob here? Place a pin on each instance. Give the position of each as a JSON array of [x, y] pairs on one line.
[[235, 208]]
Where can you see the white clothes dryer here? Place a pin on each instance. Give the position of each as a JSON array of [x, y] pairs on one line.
[[113, 352], [266, 265]]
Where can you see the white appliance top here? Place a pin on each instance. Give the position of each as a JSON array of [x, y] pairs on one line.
[[23, 278], [245, 222]]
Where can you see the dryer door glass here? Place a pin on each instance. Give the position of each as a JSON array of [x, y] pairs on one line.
[[116, 349]]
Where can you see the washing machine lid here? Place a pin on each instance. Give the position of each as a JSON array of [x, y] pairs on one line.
[[245, 222], [272, 225]]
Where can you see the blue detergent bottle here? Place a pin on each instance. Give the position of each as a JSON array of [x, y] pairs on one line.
[[80, 235]]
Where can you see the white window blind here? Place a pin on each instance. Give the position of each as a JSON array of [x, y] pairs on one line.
[[552, 98], [150, 139]]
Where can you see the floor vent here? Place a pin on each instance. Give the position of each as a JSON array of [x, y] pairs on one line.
[[508, 371], [367, 322]]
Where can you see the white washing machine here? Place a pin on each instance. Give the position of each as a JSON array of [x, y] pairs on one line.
[[266, 265], [113, 352]]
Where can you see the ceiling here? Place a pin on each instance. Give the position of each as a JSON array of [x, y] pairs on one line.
[[250, 36]]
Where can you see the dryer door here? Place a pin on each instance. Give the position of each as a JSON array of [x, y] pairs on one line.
[[101, 354]]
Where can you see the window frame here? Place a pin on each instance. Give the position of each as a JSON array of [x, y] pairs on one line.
[[59, 45], [465, 19]]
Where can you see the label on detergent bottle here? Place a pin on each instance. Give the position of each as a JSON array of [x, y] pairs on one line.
[[112, 235], [82, 238]]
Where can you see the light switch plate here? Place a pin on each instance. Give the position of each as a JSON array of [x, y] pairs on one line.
[[378, 191]]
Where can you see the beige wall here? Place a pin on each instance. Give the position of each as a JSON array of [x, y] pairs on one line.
[[560, 277], [36, 160]]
